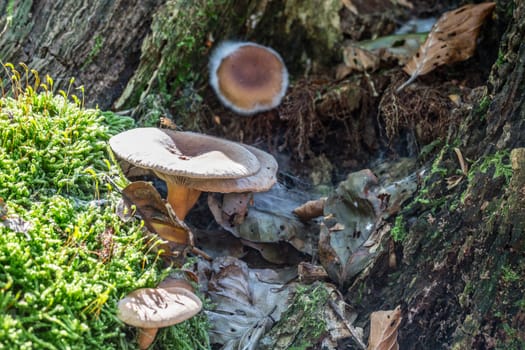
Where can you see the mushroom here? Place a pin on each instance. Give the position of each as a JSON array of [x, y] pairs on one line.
[[261, 181], [236, 190], [248, 77], [154, 308], [184, 160]]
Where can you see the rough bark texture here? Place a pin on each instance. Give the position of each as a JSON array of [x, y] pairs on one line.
[[96, 42], [460, 268]]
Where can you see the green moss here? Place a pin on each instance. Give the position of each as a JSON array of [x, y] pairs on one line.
[[429, 149], [501, 58], [303, 323], [98, 43], [398, 232], [66, 258], [174, 60], [509, 275], [512, 338], [499, 162]]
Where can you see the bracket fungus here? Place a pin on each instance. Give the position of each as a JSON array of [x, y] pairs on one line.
[[247, 77], [191, 163], [154, 308]]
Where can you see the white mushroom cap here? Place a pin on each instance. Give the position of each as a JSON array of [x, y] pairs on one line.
[[184, 154], [261, 181], [158, 307], [248, 77]]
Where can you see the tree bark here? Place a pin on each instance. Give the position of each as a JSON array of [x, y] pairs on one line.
[[97, 42], [460, 276]]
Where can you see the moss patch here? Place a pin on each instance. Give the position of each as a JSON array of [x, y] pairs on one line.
[[66, 258]]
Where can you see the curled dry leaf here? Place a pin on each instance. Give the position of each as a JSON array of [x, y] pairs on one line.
[[152, 209], [350, 6], [310, 209], [142, 199], [383, 329], [234, 207], [452, 39]]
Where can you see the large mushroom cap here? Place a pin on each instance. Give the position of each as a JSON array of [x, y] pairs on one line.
[[158, 307], [248, 77], [184, 154], [261, 181]]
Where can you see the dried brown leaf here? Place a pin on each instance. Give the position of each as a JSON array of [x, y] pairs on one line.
[[404, 3], [153, 211], [452, 39], [383, 329], [360, 59], [309, 273], [462, 163], [350, 6], [310, 209]]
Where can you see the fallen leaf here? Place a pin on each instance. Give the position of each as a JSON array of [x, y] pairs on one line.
[[142, 199], [383, 329], [352, 228], [309, 273], [247, 303], [277, 253], [462, 163], [404, 3], [3, 209], [452, 39], [350, 6], [152, 209], [310, 209], [367, 55], [17, 224], [218, 243], [233, 206], [270, 219], [351, 214], [360, 59]]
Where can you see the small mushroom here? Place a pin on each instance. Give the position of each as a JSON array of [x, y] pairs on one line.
[[154, 308], [248, 77], [183, 159]]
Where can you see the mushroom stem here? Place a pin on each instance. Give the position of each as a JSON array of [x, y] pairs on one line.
[[181, 199], [146, 337]]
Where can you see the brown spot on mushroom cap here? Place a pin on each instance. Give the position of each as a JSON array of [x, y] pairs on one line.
[[184, 154], [158, 307], [261, 181], [248, 77]]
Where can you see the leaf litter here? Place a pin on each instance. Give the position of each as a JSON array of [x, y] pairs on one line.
[[350, 237]]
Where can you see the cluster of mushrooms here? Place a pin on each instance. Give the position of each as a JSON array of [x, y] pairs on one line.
[[248, 78]]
